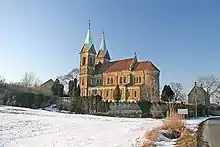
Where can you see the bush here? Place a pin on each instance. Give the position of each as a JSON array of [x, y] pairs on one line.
[[187, 139], [27, 99], [150, 138], [173, 122], [60, 106], [145, 107]]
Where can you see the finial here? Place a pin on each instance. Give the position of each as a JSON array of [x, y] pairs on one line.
[[103, 34], [89, 24], [135, 54], [195, 83]]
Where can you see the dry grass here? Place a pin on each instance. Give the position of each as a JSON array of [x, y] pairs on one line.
[[174, 127], [150, 138], [174, 122], [187, 139]]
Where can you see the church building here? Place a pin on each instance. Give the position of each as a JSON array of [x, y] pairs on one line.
[[99, 75]]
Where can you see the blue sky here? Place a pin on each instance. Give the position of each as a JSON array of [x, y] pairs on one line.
[[182, 38]]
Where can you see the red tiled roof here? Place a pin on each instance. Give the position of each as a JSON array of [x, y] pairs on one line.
[[121, 65], [143, 65]]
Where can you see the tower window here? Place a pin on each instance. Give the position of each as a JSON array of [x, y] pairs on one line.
[[84, 61], [111, 80], [97, 81], [125, 80], [90, 61], [135, 94], [82, 81]]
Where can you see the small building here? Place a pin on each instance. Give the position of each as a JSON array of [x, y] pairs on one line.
[[198, 95], [46, 86], [199, 98]]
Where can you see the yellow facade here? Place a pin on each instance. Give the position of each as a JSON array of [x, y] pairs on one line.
[[100, 76]]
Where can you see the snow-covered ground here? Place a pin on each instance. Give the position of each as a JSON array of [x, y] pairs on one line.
[[22, 127]]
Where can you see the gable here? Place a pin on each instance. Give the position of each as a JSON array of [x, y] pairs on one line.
[[99, 55], [107, 56], [92, 49], [84, 49], [49, 82]]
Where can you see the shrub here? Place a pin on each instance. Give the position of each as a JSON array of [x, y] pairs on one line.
[[145, 107], [150, 138], [60, 106], [187, 139], [117, 93], [173, 122]]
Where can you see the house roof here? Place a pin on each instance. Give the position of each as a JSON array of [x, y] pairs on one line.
[[48, 81], [123, 65], [197, 89]]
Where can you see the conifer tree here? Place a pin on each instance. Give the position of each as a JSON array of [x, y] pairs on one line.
[[117, 93]]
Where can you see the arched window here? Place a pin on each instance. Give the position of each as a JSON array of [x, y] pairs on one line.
[[135, 93], [106, 93], [133, 80], [125, 80], [100, 81], [111, 80], [136, 79], [84, 61], [108, 80], [139, 79], [120, 79]]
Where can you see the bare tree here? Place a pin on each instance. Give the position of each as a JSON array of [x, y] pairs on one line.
[[30, 80], [178, 91], [150, 93], [2, 80], [73, 74], [211, 84], [64, 79], [37, 82]]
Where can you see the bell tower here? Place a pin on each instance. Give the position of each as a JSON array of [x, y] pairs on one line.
[[87, 64], [103, 54]]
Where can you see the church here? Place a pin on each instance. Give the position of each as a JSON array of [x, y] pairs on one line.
[[99, 75]]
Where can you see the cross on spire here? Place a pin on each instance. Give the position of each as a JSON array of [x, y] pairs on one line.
[[103, 34], [88, 40], [89, 24]]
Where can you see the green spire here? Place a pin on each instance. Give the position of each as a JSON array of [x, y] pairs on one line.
[[103, 47], [88, 40]]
